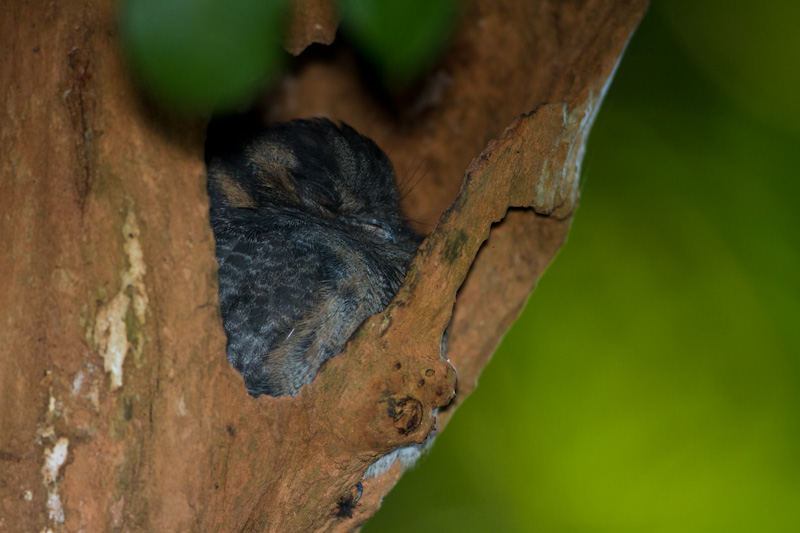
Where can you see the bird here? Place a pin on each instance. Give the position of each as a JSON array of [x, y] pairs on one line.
[[310, 240]]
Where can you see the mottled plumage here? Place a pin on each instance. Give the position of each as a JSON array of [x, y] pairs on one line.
[[310, 242]]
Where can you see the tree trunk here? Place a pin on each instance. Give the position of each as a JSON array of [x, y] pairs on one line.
[[119, 408]]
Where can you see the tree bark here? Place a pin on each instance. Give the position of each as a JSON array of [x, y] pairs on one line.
[[119, 409]]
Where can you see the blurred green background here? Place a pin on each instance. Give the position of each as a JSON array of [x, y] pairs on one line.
[[217, 56], [653, 382]]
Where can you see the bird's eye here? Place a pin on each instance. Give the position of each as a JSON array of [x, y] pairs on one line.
[[379, 229]]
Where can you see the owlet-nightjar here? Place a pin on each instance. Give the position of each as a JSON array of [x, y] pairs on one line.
[[310, 241]]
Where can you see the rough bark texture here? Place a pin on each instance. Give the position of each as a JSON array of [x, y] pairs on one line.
[[119, 409]]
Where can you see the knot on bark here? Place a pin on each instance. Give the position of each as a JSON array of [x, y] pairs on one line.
[[405, 412]]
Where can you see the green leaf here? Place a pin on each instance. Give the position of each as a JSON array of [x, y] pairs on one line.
[[203, 55], [401, 37]]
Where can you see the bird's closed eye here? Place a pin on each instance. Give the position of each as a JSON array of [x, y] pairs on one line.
[[379, 229]]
